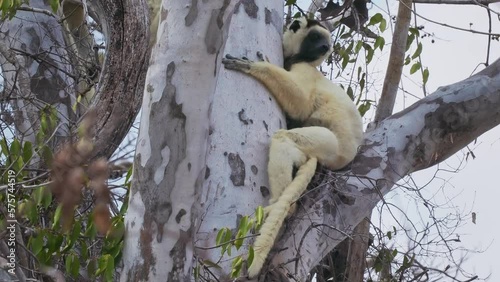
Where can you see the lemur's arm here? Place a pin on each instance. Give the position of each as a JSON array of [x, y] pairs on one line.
[[291, 97]]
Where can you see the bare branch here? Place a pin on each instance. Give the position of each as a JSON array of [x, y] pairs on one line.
[[37, 10], [456, 27], [396, 61]]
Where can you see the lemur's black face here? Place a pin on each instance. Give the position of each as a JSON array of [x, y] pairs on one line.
[[314, 46], [305, 41]]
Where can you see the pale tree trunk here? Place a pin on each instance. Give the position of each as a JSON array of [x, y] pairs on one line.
[[199, 161]]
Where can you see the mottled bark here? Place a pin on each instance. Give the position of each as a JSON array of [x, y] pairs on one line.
[[200, 128]]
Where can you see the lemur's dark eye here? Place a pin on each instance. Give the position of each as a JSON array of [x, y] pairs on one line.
[[295, 26]]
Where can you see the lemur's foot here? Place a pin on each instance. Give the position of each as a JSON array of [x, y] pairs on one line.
[[233, 63]]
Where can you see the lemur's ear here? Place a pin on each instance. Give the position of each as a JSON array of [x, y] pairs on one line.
[[295, 26]]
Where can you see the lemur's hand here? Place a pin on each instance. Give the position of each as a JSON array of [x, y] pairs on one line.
[[233, 63]]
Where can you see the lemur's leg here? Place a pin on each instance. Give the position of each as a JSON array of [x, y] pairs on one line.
[[279, 82], [292, 148], [283, 156]]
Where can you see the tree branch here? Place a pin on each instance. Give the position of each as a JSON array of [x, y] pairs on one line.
[[396, 61], [418, 137], [121, 85]]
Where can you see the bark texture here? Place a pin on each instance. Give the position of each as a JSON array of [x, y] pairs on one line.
[[199, 159], [117, 101]]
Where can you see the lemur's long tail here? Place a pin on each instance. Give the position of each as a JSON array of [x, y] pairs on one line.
[[277, 214]]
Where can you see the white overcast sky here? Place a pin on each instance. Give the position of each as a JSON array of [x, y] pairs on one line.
[[452, 57]]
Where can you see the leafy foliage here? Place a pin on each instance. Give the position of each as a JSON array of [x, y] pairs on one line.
[[78, 248]]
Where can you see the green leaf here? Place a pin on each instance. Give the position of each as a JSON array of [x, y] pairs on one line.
[[383, 25], [27, 152], [409, 41], [376, 19], [259, 216], [242, 231], [117, 230], [369, 55], [57, 216], [54, 4], [389, 235], [31, 211], [5, 148], [36, 243], [54, 242], [425, 75], [251, 255], [72, 265], [6, 4], [236, 267], [358, 46], [47, 198], [16, 153], [415, 67], [345, 61], [227, 238], [102, 264], [394, 253], [220, 235], [379, 43], [414, 31], [44, 124], [91, 231], [243, 225], [39, 194], [350, 92], [290, 2], [363, 108], [46, 154], [418, 51], [75, 233], [407, 60], [127, 177], [362, 83]]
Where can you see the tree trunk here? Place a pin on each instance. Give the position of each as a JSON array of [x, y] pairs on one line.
[[118, 97], [202, 131]]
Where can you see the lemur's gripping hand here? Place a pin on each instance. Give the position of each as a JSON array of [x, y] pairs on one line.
[[243, 64], [233, 63]]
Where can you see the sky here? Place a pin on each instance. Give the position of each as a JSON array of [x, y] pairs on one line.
[[452, 57]]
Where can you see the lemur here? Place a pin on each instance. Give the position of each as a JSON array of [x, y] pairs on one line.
[[331, 124]]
